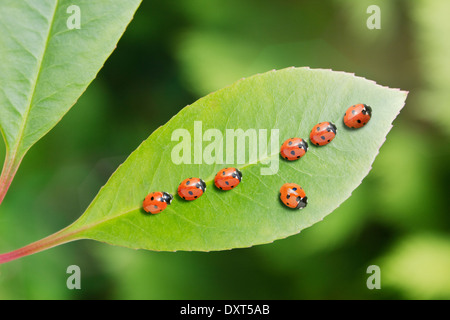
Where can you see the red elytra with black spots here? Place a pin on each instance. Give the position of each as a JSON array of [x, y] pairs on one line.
[[293, 196], [293, 149], [191, 188], [322, 133], [228, 178], [155, 202], [357, 116]]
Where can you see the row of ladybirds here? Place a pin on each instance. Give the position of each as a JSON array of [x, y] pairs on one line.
[[291, 194]]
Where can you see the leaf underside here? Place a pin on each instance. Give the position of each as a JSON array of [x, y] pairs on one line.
[[45, 66]]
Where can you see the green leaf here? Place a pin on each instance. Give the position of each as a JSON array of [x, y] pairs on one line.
[[45, 65], [292, 100]]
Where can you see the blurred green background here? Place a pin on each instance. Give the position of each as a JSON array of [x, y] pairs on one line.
[[175, 52]]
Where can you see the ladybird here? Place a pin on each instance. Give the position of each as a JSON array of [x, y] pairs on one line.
[[322, 133], [191, 188], [156, 202], [228, 178], [293, 196], [357, 116], [293, 149]]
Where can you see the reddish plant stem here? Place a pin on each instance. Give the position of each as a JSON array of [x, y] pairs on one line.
[[51, 241], [10, 167]]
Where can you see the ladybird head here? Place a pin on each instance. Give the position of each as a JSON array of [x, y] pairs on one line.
[[367, 109], [201, 185], [332, 126], [238, 174], [167, 197], [303, 144], [301, 202]]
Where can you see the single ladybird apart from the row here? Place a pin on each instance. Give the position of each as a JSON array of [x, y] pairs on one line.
[[357, 116], [156, 202], [228, 178], [293, 196], [293, 149], [191, 188], [322, 133]]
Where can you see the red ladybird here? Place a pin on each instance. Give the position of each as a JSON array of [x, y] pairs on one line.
[[191, 188], [293, 196], [322, 133], [228, 178], [156, 202], [357, 116], [293, 149]]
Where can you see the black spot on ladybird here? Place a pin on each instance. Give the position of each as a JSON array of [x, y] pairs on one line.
[[188, 183], [153, 198], [298, 157], [156, 207], [227, 183], [195, 197], [288, 196], [318, 128], [223, 173], [328, 140], [294, 189], [293, 153], [359, 121], [232, 186], [322, 137], [190, 192], [290, 143]]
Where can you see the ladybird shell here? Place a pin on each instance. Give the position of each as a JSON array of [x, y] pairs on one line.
[[228, 178], [322, 133], [293, 196], [293, 149], [155, 202], [357, 116], [191, 188]]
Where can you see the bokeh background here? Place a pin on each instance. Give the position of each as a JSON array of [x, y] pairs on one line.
[[174, 53]]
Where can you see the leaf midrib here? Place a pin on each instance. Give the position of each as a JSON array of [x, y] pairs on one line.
[[210, 179], [33, 92]]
